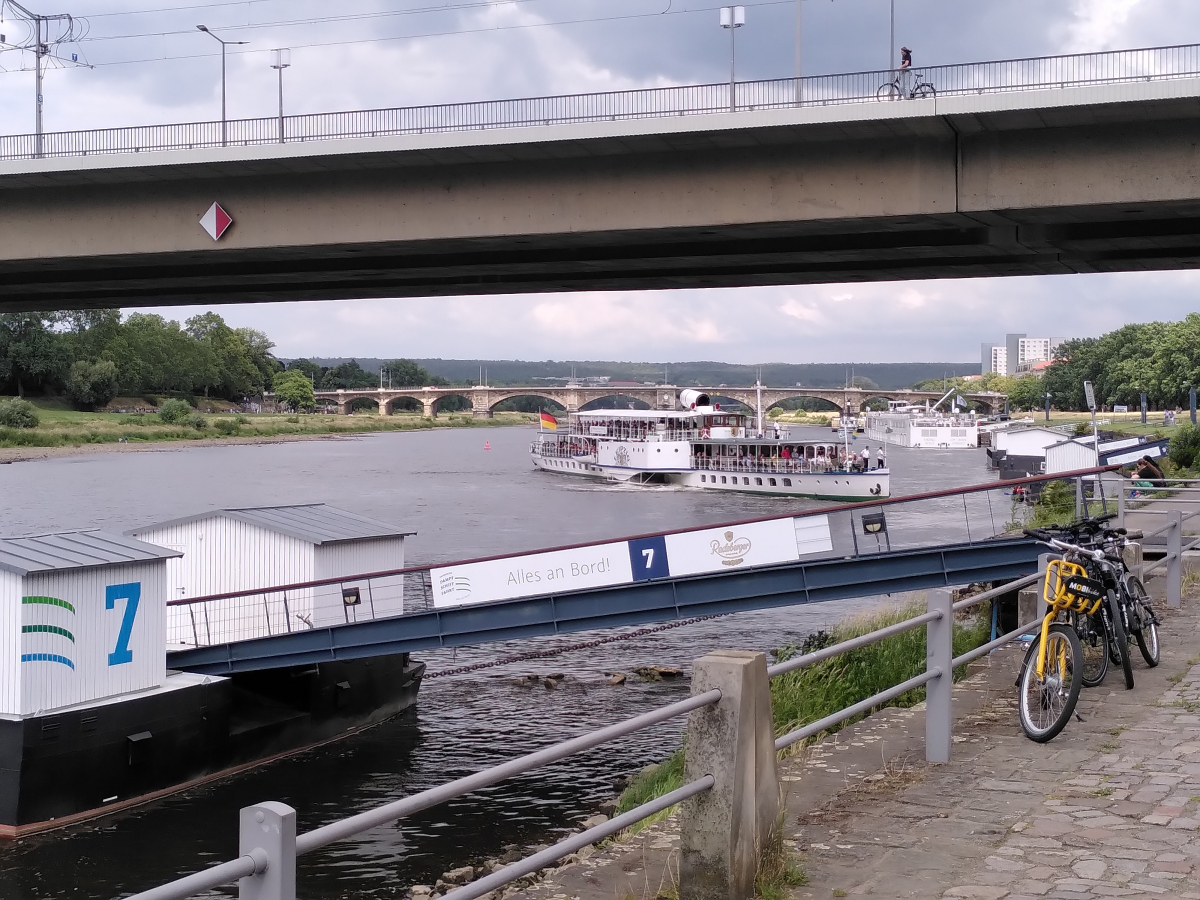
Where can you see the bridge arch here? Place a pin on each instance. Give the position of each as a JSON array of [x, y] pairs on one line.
[[808, 402], [451, 401], [615, 401], [407, 404], [519, 399]]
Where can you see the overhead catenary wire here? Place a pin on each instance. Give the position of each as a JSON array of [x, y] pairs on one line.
[[408, 37]]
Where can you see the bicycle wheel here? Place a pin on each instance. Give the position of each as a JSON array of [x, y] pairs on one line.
[[1093, 638], [1119, 640], [889, 91], [924, 91], [1046, 705], [1142, 620]]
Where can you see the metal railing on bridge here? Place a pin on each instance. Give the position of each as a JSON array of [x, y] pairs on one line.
[[978, 513], [1174, 502], [1001, 76]]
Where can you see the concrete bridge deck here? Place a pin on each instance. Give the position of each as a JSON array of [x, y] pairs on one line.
[[484, 399], [1060, 172]]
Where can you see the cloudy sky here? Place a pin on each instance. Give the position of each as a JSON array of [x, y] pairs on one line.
[[150, 65]]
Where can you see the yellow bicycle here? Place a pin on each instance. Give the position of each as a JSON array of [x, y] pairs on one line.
[[1052, 672]]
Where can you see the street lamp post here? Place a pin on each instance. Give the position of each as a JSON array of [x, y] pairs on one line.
[[732, 17], [224, 123], [283, 59]]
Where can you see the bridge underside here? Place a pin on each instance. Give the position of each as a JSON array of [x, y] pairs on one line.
[[1100, 179], [1126, 237], [648, 601]]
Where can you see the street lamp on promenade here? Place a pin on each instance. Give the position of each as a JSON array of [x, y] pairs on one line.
[[224, 43]]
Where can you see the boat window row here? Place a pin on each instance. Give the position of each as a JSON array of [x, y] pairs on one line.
[[733, 479]]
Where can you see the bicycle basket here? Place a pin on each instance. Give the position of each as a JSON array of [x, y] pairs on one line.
[[1068, 588]]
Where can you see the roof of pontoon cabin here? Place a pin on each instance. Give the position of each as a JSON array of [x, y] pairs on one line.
[[75, 550], [316, 523]]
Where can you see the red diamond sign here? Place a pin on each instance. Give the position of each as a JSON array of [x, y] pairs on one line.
[[216, 221]]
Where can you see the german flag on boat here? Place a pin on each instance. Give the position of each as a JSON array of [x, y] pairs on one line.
[[549, 423]]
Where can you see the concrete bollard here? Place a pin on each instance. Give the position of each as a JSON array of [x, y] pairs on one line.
[[267, 833], [726, 828]]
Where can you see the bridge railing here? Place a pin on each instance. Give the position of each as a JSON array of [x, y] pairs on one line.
[[730, 741], [1001, 76], [1173, 503], [960, 515]]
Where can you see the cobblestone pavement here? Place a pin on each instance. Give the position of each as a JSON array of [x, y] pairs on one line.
[[1110, 808]]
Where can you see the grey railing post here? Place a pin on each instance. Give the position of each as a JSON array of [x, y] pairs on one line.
[[724, 830], [1175, 557], [267, 834], [1080, 503], [939, 693], [1120, 506]]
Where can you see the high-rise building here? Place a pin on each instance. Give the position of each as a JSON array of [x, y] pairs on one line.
[[1018, 354]]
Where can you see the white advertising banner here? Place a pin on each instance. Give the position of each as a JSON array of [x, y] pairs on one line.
[[642, 559], [742, 546], [528, 576]]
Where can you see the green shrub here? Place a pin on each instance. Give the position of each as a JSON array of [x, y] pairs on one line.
[[295, 420], [174, 412], [1185, 445], [1055, 505], [17, 413], [138, 419], [1082, 428], [226, 426], [242, 420], [91, 385], [197, 421]]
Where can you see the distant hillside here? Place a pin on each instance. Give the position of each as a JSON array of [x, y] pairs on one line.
[[890, 376]]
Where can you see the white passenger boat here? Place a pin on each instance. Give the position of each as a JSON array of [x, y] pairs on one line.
[[700, 446], [919, 426]]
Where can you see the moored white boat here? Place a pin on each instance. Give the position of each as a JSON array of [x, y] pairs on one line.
[[703, 447]]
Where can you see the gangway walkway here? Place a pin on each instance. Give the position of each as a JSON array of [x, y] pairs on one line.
[[815, 556]]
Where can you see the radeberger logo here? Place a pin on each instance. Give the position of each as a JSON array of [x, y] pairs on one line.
[[732, 550], [622, 456]]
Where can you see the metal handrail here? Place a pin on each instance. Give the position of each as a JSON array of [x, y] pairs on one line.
[[575, 842], [389, 812], [820, 511], [861, 707], [991, 77], [864, 640], [1007, 588]]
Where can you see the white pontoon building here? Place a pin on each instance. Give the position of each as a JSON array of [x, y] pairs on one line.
[[230, 550]]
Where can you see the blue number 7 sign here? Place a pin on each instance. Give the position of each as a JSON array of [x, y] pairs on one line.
[[131, 594]]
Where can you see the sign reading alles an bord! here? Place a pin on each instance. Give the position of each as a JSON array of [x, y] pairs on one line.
[[624, 562]]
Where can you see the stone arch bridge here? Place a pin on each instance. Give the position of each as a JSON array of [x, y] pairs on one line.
[[484, 399]]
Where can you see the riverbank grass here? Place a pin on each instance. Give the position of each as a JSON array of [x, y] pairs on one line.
[[60, 426], [814, 692]]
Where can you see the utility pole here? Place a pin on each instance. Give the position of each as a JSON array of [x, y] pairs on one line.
[[283, 59], [224, 123], [40, 45], [733, 18], [799, 92], [892, 39]]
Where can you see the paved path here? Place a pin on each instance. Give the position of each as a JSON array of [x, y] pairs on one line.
[[1110, 808]]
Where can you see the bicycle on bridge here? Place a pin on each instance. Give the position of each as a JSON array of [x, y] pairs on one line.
[[897, 90]]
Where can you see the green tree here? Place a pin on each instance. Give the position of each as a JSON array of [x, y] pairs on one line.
[[293, 388], [31, 352], [230, 369], [175, 412], [314, 373], [406, 373], [17, 413], [1184, 448], [90, 385], [349, 375]]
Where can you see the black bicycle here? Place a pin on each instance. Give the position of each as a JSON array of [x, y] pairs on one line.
[[894, 90]]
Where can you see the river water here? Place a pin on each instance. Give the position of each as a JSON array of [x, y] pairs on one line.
[[467, 493]]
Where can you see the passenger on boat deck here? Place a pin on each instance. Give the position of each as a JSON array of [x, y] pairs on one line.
[[787, 453]]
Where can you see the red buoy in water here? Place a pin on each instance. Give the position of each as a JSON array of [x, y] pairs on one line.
[[487, 445]]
